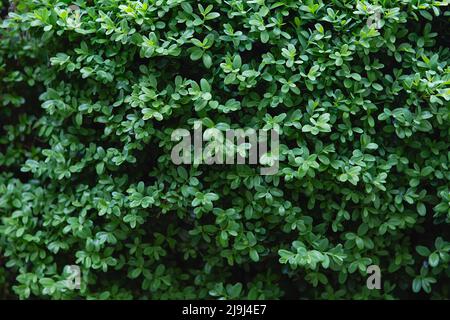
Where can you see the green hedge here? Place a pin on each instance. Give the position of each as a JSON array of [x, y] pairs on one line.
[[90, 92]]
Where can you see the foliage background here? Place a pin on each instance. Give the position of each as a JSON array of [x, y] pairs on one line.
[[91, 90]]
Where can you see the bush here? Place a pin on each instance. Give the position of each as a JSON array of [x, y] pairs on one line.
[[92, 90]]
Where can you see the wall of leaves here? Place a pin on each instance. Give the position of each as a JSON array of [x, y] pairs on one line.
[[90, 92]]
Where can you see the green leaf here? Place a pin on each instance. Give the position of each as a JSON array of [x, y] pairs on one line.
[[433, 259], [254, 255], [423, 251], [421, 209]]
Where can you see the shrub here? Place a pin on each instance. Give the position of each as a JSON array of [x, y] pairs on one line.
[[92, 90]]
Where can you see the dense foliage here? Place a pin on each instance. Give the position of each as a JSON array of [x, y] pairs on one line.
[[90, 92]]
